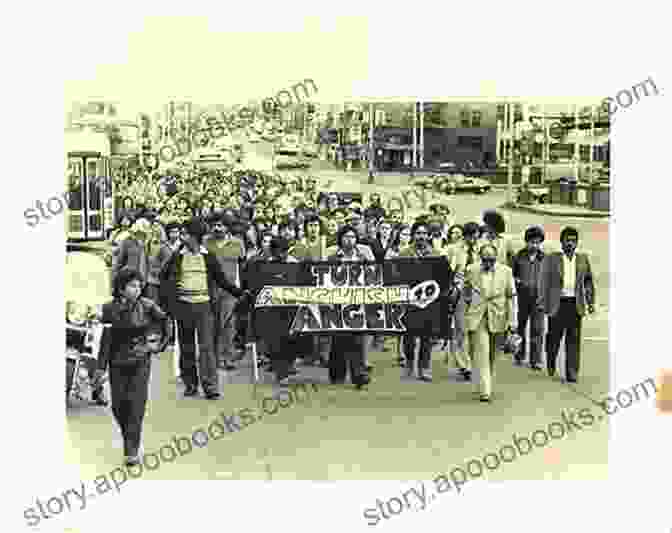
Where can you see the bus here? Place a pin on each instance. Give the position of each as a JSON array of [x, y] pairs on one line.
[[89, 211]]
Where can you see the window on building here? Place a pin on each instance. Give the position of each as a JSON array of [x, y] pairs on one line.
[[464, 118], [584, 153], [476, 119], [473, 143]]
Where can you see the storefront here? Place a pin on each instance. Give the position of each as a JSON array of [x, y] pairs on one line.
[[390, 156]]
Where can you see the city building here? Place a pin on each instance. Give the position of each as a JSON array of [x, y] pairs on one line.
[[456, 132], [553, 140]]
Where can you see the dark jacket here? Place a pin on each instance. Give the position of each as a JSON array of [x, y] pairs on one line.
[[379, 251], [552, 281], [374, 211], [527, 274], [125, 341], [171, 273], [132, 254]]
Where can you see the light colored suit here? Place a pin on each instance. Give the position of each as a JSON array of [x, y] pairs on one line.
[[494, 301], [491, 309]]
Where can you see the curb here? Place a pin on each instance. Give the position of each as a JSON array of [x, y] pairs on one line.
[[527, 209], [85, 246]]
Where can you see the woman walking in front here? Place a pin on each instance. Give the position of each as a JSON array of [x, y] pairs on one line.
[[139, 329]]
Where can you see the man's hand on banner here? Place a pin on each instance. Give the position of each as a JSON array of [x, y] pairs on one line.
[[245, 299]]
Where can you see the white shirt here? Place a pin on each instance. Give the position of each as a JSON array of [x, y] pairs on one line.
[[569, 281]]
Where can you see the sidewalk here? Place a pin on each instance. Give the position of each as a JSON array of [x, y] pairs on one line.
[[557, 210]]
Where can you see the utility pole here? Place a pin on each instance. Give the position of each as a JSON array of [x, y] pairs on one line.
[[593, 114], [577, 145], [372, 126], [509, 123], [422, 135], [415, 135]]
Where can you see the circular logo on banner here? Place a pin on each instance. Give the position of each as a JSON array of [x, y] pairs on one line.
[[557, 131]]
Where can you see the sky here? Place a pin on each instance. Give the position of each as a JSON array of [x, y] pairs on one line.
[[155, 60]]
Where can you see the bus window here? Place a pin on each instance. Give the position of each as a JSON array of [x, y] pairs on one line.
[[76, 202], [94, 192]]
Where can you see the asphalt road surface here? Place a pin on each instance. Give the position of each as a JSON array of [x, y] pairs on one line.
[[398, 428]]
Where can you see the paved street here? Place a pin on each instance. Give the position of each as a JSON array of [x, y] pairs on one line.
[[398, 428]]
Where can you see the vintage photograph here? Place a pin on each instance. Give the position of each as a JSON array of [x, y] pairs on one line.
[[353, 279]]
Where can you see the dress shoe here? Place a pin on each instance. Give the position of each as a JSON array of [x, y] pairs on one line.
[[283, 382], [361, 381], [214, 395], [485, 398], [369, 368], [518, 362], [551, 372], [426, 377], [571, 380], [466, 374], [133, 460], [227, 365], [191, 390], [535, 366]]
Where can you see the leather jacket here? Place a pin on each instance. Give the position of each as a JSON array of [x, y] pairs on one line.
[[125, 342]]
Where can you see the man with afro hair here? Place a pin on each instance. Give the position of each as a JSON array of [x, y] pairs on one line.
[[494, 228]]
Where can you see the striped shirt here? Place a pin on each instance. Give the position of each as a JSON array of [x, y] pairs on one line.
[[192, 287]]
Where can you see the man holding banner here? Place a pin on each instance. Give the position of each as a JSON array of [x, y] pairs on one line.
[[314, 249], [227, 250], [420, 247], [349, 350]]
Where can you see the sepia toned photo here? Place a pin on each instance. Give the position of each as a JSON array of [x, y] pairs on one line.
[[337, 269], [319, 285]]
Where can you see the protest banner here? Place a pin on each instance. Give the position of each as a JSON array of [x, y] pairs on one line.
[[400, 296]]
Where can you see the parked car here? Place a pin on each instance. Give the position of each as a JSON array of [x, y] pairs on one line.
[[309, 150], [459, 183], [540, 194], [290, 159], [289, 142], [253, 137], [424, 182], [447, 166]]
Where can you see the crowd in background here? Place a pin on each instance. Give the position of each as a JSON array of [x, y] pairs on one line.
[[184, 241], [253, 216]]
